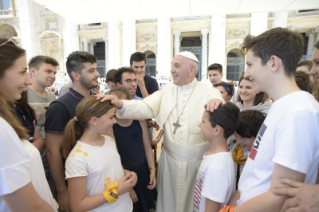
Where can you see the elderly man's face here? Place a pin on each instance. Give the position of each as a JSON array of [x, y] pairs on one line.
[[181, 67]]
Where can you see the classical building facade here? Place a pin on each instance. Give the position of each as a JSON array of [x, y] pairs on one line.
[[214, 39]]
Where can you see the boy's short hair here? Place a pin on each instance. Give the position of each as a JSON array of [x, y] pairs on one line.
[[250, 122], [37, 61], [137, 57], [110, 75], [307, 63], [225, 116], [215, 66], [302, 80], [285, 44], [75, 62], [118, 74], [317, 45], [121, 92]]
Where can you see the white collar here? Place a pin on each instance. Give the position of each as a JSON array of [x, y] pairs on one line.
[[190, 85]]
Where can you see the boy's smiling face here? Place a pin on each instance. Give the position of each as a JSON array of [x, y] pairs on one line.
[[257, 72]]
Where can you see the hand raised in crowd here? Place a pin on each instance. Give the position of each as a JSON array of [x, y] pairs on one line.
[[140, 80], [133, 195], [152, 179], [213, 104], [63, 201], [303, 197], [114, 100]]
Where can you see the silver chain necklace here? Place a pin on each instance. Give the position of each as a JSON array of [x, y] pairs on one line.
[[176, 124]]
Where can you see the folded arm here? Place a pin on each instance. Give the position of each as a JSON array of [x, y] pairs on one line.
[[269, 201]]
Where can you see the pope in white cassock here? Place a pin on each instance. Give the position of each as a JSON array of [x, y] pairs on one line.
[[178, 108]]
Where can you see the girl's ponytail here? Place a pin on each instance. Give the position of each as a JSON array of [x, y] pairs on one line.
[[72, 132]]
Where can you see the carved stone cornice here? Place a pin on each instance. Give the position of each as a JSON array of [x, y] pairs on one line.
[[140, 47], [204, 31], [311, 32], [147, 37], [236, 33]]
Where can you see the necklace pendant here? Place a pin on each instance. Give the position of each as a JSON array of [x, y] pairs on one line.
[[176, 125]]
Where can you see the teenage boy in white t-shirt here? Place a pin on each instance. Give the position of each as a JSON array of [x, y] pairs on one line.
[[215, 181], [287, 144]]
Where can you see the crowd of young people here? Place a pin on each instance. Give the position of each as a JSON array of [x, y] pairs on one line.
[[97, 147]]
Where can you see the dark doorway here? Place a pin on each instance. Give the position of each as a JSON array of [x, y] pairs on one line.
[[99, 53], [194, 45]]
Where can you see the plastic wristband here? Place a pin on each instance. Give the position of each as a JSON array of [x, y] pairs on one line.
[[111, 195], [152, 168], [227, 208]]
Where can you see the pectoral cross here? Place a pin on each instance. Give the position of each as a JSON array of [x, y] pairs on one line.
[[176, 125]]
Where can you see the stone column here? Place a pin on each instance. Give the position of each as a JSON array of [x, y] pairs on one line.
[[84, 44], [317, 30], [164, 46], [92, 44], [61, 56], [27, 21], [129, 41], [71, 39], [114, 44], [280, 19], [258, 23], [204, 53], [217, 41], [177, 41], [106, 53], [311, 41]]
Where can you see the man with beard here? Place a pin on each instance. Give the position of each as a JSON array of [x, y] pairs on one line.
[[81, 67]]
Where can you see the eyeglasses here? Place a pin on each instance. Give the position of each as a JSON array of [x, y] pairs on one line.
[[8, 41], [130, 81]]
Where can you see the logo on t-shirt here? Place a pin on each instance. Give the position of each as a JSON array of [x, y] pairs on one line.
[[254, 148]]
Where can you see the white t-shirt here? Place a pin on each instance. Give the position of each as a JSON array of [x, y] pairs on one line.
[[289, 136], [215, 180], [20, 163], [98, 163]]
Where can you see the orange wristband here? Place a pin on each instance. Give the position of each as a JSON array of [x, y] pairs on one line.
[[227, 209]]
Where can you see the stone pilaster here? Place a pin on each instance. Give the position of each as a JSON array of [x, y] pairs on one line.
[[258, 23], [92, 44], [217, 41], [129, 41], [106, 40], [311, 41], [204, 33], [84, 44], [280, 19], [114, 45], [177, 41], [164, 46]]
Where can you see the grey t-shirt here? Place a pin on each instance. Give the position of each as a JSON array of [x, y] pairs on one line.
[[40, 105]]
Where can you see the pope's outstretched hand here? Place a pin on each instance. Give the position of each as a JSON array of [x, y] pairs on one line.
[[114, 100]]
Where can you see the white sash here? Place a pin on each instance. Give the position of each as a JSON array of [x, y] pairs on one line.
[[186, 153]]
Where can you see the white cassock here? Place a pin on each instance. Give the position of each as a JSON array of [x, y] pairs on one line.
[[182, 151]]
